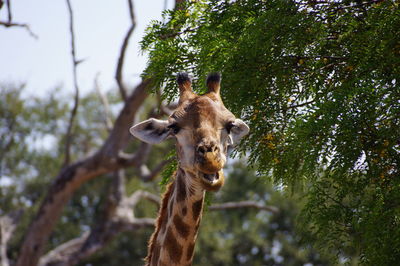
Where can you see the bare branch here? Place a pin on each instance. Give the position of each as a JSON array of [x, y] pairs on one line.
[[68, 137], [9, 23], [141, 194], [107, 117], [118, 73], [9, 11], [242, 204], [131, 12], [120, 135], [64, 251], [136, 159], [22, 25], [146, 175]]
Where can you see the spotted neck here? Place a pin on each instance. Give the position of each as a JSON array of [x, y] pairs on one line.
[[178, 222]]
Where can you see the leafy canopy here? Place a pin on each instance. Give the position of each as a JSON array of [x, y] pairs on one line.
[[318, 83]]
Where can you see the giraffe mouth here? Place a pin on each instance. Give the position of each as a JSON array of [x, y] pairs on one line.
[[212, 181], [210, 178]]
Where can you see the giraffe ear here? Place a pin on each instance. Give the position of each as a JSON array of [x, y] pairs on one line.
[[152, 131], [238, 130]]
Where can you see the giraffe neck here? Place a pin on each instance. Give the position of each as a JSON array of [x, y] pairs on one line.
[[178, 222]]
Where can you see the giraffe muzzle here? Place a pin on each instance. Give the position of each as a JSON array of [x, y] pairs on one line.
[[210, 163], [212, 182]]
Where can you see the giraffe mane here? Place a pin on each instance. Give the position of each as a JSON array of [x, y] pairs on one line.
[[161, 215]]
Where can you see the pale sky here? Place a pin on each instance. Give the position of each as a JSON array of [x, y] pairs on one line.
[[100, 27]]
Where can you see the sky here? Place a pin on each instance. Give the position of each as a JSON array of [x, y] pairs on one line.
[[100, 27]]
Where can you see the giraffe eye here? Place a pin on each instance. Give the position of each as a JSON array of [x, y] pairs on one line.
[[229, 127], [174, 128]]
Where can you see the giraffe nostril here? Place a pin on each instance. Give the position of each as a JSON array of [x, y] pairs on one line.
[[201, 150]]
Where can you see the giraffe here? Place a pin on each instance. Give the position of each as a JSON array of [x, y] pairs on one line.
[[204, 130]]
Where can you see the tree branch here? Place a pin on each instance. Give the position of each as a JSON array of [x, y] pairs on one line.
[[64, 251], [133, 200], [120, 64], [22, 25], [68, 136], [103, 98], [136, 159], [9, 23], [148, 175], [9, 11]]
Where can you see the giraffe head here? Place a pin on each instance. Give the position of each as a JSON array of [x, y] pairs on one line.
[[203, 129]]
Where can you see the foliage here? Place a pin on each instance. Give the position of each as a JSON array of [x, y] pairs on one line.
[[170, 168], [318, 83]]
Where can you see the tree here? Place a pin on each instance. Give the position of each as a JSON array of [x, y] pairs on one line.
[[318, 83]]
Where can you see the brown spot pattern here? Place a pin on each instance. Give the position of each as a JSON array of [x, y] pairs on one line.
[[162, 218], [196, 209], [174, 249], [181, 227], [181, 188], [184, 210], [190, 250], [163, 224]]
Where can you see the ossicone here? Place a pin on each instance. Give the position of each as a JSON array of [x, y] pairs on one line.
[[183, 77], [185, 86], [214, 82]]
